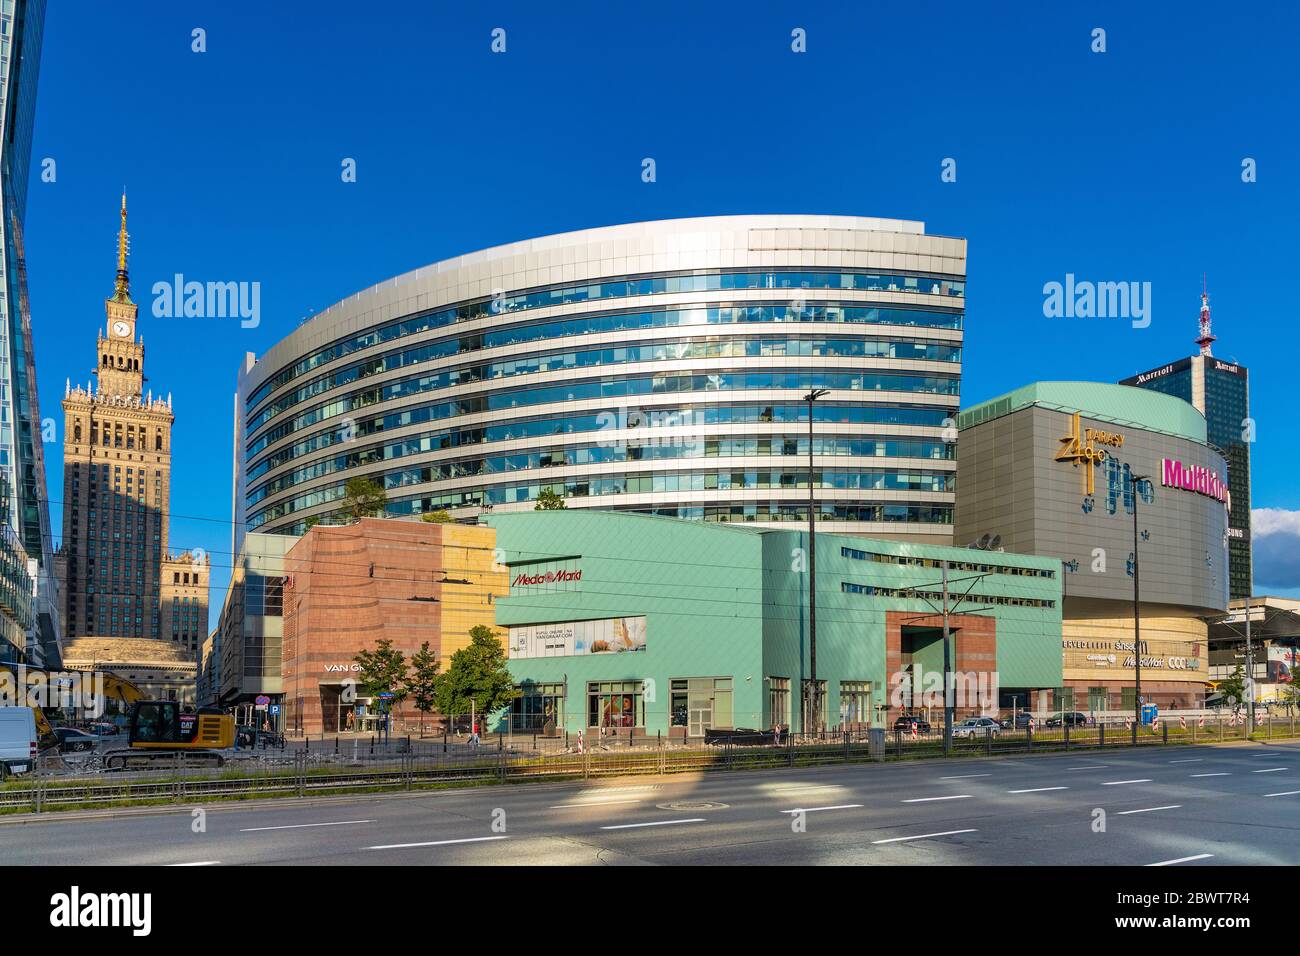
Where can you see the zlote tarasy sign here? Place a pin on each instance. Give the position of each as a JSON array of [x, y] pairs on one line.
[[1081, 446]]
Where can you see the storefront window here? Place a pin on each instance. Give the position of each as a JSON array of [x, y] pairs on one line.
[[615, 704], [1063, 698], [537, 707], [778, 699], [855, 703]]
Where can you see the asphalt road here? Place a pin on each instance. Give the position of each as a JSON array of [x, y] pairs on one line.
[[1187, 806]]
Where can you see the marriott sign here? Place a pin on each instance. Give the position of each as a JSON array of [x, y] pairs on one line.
[[1197, 478]]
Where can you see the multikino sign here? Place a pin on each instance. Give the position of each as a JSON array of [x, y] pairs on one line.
[[1197, 478]]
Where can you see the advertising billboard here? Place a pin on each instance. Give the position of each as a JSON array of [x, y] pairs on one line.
[[615, 635]]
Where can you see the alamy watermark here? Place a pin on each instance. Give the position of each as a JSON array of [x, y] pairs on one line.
[[66, 690], [1083, 299], [179, 298]]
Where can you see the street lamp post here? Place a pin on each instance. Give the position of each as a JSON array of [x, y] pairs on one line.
[[813, 701], [1137, 620]]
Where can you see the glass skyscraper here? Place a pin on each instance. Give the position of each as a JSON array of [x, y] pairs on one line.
[[30, 627], [1221, 392]]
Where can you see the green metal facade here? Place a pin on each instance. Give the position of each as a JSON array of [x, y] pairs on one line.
[[1115, 404], [731, 602]]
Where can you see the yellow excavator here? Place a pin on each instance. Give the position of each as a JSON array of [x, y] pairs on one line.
[[160, 732], [157, 730]]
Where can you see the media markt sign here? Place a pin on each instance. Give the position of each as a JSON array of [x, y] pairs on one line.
[[537, 577]]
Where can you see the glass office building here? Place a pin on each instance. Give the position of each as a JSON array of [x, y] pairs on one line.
[[655, 367], [1221, 392], [22, 467]]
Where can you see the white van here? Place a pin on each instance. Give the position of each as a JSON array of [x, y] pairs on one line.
[[18, 740]]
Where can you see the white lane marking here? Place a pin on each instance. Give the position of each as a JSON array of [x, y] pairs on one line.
[[304, 826], [403, 846], [656, 823], [1271, 770], [1183, 859], [921, 836], [199, 863], [1116, 783], [1096, 766], [591, 803], [1038, 790], [1172, 806], [1189, 760], [842, 806], [959, 796], [1220, 774], [965, 776], [1284, 793]]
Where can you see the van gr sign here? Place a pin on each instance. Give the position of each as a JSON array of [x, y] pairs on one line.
[[1196, 478]]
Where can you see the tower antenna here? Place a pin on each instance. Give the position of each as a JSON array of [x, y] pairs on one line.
[[1206, 338]]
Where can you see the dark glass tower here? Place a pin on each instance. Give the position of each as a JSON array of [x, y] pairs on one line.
[[1221, 392], [26, 534]]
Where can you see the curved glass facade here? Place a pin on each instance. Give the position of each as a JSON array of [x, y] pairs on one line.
[[656, 367]]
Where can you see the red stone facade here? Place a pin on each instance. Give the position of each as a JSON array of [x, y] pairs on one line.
[[974, 638], [348, 587]]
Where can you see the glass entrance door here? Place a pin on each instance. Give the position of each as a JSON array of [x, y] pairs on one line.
[[701, 716]]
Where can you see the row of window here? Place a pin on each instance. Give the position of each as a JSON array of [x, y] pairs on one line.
[[675, 349], [595, 485], [695, 704], [587, 292], [614, 451], [615, 387], [914, 562], [871, 590], [827, 413]]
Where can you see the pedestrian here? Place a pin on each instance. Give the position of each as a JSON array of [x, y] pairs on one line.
[[473, 737]]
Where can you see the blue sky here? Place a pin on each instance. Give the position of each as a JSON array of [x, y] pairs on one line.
[[1116, 166]]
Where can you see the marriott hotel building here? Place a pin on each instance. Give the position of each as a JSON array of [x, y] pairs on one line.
[[656, 367], [1050, 468]]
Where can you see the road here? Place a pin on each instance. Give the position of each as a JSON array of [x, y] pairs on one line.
[[1186, 806]]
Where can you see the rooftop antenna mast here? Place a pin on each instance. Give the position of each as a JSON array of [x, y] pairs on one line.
[[1206, 338]]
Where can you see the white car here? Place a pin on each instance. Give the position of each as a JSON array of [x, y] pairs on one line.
[[977, 727]]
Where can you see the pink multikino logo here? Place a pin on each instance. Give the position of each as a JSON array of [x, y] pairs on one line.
[[1197, 478]]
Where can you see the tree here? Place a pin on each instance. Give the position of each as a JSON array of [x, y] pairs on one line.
[[422, 683], [477, 679], [363, 498], [1233, 688], [437, 517], [311, 522], [548, 500], [383, 671]]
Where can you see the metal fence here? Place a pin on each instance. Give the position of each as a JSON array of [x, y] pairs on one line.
[[357, 765]]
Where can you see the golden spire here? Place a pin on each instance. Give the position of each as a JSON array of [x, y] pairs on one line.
[[122, 288]]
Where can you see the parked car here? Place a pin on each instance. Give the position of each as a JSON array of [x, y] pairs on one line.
[[1019, 722], [73, 741], [908, 721], [1071, 718], [977, 727]]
